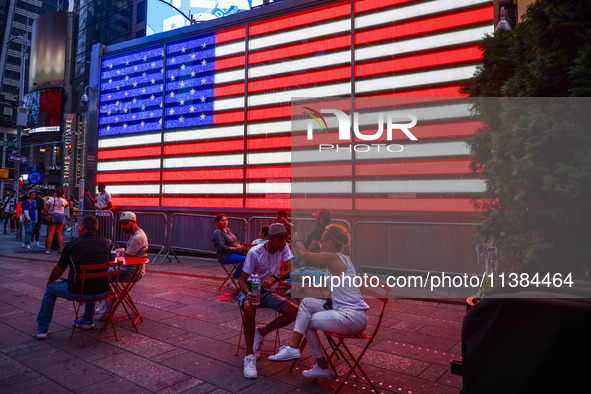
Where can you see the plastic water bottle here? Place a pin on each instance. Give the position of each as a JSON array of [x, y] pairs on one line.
[[255, 288]]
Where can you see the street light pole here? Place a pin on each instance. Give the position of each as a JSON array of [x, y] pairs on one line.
[[21, 93]]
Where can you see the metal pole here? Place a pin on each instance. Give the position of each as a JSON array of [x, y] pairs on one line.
[[19, 128]]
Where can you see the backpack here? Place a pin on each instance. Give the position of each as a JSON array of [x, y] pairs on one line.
[[19, 210]]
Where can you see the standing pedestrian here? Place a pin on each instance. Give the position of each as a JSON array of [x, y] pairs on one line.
[[29, 219], [102, 200], [56, 206], [9, 208]]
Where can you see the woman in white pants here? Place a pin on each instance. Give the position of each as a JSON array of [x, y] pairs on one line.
[[346, 316]]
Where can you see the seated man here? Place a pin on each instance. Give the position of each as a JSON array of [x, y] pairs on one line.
[[88, 249], [137, 246], [264, 260]]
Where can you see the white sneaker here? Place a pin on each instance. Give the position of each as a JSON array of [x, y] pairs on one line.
[[286, 353], [258, 343], [36, 243], [42, 335], [317, 373], [250, 366]]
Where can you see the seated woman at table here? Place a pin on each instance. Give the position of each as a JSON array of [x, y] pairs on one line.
[[346, 316], [227, 245]]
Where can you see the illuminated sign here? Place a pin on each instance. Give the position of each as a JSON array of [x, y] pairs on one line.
[[161, 17], [180, 126]]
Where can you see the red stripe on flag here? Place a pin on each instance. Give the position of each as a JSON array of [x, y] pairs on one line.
[[426, 26], [416, 204], [236, 33], [204, 147], [448, 130], [416, 62], [128, 177], [229, 90], [269, 113], [128, 153], [300, 19], [311, 171], [439, 167], [135, 201], [203, 175], [228, 117], [231, 62], [202, 202]]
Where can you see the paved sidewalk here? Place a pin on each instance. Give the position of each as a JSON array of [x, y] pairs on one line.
[[189, 336]]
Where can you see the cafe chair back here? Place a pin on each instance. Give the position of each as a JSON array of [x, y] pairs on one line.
[[93, 272]]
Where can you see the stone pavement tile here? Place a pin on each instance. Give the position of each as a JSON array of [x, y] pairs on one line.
[[222, 351], [141, 371], [417, 352], [434, 372], [196, 325], [75, 373], [159, 330], [447, 333], [210, 370], [152, 313], [112, 384], [48, 387], [268, 385], [183, 386], [10, 367], [171, 354], [418, 339], [6, 309], [140, 344], [11, 337], [21, 301], [24, 381], [43, 356]]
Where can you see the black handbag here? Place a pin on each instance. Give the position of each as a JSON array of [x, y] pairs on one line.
[[48, 216]]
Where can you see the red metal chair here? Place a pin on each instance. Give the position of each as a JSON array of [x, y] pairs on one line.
[[275, 336], [93, 272], [338, 344], [229, 273]]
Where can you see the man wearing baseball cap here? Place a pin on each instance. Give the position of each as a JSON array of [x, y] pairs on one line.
[[137, 246], [264, 260]]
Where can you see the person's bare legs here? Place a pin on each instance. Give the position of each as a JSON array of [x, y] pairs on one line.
[[50, 233], [288, 315], [59, 228], [250, 312]]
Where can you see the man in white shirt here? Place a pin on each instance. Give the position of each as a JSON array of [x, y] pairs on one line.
[[102, 200], [265, 260]]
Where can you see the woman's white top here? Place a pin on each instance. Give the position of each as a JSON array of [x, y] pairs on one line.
[[346, 295], [57, 204]]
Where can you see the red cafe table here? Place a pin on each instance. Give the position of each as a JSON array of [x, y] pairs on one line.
[[122, 292]]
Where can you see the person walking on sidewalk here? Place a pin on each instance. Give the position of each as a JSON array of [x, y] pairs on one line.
[[56, 206], [88, 249], [29, 217], [264, 260], [9, 208]]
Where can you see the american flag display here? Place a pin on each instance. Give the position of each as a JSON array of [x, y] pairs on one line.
[[206, 121]]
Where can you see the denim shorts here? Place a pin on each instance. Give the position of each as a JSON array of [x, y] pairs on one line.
[[268, 300], [59, 218]]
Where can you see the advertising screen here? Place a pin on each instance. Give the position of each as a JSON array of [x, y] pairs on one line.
[[44, 109], [162, 17]]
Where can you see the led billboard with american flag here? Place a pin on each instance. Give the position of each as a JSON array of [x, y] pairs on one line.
[[206, 121]]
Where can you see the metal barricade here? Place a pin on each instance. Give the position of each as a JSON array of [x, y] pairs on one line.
[[106, 224], [193, 233], [416, 246], [154, 224]]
